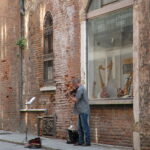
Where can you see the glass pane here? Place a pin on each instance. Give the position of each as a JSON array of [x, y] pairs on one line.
[[48, 44], [48, 20], [50, 39], [48, 34], [95, 4], [46, 47], [105, 2], [110, 67], [48, 70]]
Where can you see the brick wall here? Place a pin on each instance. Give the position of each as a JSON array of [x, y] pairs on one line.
[[66, 48], [9, 64], [112, 124], [109, 124], [143, 47]]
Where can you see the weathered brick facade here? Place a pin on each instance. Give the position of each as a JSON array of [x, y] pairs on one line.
[[142, 49], [112, 125], [9, 64], [66, 52], [21, 80]]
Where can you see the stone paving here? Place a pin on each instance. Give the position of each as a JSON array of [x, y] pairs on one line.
[[52, 144], [11, 146]]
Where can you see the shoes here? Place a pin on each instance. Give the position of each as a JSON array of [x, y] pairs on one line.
[[87, 144], [78, 144], [69, 142]]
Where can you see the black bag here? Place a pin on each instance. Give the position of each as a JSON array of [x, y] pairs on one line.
[[73, 136]]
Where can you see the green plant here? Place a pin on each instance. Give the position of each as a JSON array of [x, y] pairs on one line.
[[22, 43]]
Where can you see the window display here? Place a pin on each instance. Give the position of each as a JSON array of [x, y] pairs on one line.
[[110, 60]]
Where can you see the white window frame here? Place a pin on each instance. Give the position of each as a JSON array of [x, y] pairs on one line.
[[84, 60]]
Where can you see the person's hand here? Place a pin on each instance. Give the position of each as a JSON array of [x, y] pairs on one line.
[[73, 99]]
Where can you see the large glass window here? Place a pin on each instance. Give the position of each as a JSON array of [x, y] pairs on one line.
[[110, 67]]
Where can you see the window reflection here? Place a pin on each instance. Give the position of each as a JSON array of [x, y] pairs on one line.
[[110, 67]]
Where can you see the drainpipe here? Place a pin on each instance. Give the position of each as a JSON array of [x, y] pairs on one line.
[[22, 14]]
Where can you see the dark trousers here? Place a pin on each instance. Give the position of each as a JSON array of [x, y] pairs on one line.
[[83, 129]]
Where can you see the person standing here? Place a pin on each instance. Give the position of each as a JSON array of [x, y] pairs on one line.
[[82, 109]]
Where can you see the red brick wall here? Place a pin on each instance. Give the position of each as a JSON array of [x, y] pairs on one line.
[[112, 125], [9, 64], [143, 47], [66, 28]]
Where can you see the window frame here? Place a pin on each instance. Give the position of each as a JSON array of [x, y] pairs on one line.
[[105, 9], [48, 55], [109, 8]]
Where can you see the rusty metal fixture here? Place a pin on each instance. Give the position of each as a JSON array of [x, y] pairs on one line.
[[47, 125]]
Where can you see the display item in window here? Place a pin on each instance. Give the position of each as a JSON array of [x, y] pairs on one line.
[[104, 93], [127, 66], [94, 89], [120, 92], [110, 71], [127, 89]]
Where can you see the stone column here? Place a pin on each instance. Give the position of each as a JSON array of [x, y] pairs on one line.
[[82, 12], [141, 54], [83, 51]]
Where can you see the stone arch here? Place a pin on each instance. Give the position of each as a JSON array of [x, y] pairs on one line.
[[49, 10]]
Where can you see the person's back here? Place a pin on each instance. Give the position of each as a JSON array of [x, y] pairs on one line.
[[82, 105]]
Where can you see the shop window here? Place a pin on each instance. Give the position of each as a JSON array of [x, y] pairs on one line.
[[110, 59], [48, 49]]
